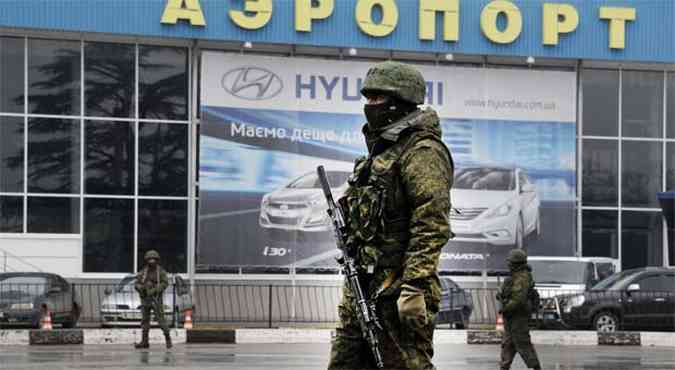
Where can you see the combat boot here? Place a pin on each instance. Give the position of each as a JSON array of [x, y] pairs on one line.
[[144, 341], [167, 337]]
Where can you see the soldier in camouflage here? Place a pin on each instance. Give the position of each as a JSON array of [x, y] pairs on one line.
[[514, 297], [151, 282], [397, 207]]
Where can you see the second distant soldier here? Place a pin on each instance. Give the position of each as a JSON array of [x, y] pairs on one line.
[[151, 282], [514, 296]]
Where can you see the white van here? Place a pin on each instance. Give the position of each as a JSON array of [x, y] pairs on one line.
[[569, 275], [557, 276]]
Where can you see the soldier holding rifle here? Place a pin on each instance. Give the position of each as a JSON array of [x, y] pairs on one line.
[[391, 226]]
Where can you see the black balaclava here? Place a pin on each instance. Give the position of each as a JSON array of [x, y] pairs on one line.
[[387, 112]]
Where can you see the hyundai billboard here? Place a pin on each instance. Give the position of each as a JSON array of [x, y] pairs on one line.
[[268, 122]]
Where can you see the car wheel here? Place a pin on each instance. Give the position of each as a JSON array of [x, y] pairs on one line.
[[606, 322]]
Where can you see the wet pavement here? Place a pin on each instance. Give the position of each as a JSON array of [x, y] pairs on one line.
[[301, 356]]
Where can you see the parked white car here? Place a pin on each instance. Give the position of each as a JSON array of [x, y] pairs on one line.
[[494, 205], [122, 305], [301, 205]]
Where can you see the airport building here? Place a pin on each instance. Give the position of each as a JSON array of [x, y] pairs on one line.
[[194, 127]]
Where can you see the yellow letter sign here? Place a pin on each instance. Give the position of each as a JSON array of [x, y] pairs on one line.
[[262, 10], [305, 13], [364, 17], [192, 12], [514, 21], [450, 9], [617, 24], [558, 18]]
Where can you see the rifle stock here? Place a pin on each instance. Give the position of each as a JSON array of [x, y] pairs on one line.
[[367, 314]]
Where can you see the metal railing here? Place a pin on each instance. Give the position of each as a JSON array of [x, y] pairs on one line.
[[271, 305]]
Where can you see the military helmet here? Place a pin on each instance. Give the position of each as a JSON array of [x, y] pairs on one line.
[[396, 79], [151, 254], [517, 256]]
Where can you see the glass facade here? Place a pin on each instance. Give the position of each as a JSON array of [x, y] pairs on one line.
[[94, 143], [627, 157]]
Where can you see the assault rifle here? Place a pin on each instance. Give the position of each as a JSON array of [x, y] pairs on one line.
[[367, 316]]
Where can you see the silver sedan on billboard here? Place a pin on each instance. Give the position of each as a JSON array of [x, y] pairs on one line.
[[494, 205], [300, 205]]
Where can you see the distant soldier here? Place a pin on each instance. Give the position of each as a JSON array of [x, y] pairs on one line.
[[516, 296], [151, 282]]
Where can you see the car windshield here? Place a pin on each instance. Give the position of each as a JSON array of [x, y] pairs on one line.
[[560, 272], [615, 282], [311, 180], [17, 286], [485, 179], [126, 285]]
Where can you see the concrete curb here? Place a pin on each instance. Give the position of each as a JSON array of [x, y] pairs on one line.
[[130, 336], [211, 336], [14, 337], [290, 335], [569, 338], [557, 338], [56, 337], [619, 339], [284, 335]]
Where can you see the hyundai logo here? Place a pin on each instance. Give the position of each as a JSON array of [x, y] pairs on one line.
[[284, 207], [252, 83]]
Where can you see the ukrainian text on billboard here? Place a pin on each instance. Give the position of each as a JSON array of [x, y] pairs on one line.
[[268, 122]]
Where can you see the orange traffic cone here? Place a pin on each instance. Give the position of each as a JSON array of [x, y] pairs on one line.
[[46, 320], [188, 319], [500, 323]]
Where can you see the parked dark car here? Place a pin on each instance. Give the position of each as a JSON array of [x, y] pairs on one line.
[[24, 294], [456, 305], [638, 299]]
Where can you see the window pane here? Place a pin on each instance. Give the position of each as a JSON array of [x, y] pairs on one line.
[[108, 235], [12, 74], [600, 173], [642, 104], [600, 102], [163, 159], [53, 155], [109, 167], [163, 82], [109, 79], [163, 227], [11, 214], [641, 173], [53, 215], [600, 233], [652, 283], [54, 77], [642, 238], [11, 154], [670, 170]]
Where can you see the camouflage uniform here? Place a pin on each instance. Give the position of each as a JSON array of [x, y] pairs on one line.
[[151, 282], [514, 296], [397, 208]]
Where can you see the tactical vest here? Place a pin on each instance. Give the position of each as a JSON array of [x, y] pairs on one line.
[[377, 208]]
